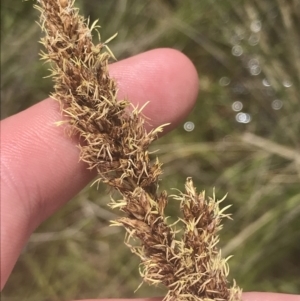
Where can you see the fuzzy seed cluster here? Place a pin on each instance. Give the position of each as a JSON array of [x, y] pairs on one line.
[[115, 143]]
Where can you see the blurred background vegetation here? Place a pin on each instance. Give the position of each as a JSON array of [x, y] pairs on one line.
[[242, 138]]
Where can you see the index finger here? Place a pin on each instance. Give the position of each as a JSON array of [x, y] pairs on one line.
[[40, 170]]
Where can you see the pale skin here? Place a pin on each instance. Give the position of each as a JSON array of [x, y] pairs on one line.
[[39, 164]]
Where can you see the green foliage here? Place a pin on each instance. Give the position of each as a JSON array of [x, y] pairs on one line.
[[75, 254]]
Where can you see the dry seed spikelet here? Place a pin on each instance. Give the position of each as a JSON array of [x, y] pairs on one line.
[[115, 143]]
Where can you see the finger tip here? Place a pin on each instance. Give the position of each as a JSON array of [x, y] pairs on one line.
[[165, 78], [182, 85], [265, 296]]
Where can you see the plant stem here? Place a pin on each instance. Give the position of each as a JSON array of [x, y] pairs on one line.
[[115, 143]]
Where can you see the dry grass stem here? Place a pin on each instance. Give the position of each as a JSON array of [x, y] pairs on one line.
[[115, 143]]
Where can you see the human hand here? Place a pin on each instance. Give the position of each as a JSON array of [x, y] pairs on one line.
[[39, 165]]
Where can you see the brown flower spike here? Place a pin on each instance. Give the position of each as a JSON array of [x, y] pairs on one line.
[[115, 143]]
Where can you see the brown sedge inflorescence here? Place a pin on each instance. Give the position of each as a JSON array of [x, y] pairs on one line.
[[115, 143]]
